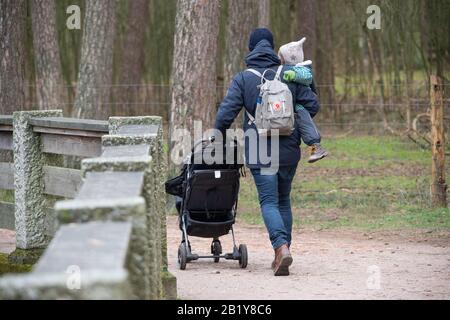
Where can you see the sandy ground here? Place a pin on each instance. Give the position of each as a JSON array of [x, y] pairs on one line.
[[327, 265], [7, 241]]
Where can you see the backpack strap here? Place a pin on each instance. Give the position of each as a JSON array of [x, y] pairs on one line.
[[250, 117], [277, 76], [256, 73]]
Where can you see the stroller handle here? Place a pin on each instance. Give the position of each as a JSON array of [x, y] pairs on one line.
[[201, 141]]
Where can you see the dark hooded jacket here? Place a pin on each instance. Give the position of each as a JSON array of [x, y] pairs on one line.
[[243, 92]]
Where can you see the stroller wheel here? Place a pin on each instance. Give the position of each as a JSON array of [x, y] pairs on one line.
[[182, 256], [243, 256], [216, 249]]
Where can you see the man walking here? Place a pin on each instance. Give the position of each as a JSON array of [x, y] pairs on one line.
[[273, 187]]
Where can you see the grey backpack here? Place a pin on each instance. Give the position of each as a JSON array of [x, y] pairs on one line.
[[274, 109]]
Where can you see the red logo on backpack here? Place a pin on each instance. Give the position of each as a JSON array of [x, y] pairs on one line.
[[276, 106]]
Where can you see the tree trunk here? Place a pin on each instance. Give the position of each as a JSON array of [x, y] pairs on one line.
[[96, 68], [13, 16], [264, 13], [133, 58], [193, 95], [50, 87], [241, 22], [324, 54], [438, 185], [306, 21]]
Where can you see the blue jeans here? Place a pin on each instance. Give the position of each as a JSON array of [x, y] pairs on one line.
[[274, 199]]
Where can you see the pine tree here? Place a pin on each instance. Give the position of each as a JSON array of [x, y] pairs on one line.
[[13, 15], [193, 94], [96, 68], [50, 88]]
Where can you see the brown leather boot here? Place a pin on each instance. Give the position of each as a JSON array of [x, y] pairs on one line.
[[275, 255], [283, 260]]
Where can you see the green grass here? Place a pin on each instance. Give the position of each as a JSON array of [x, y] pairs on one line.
[[319, 184], [372, 151], [368, 182], [8, 267], [6, 196]]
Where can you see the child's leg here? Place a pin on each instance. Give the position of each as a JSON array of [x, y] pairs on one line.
[[310, 135], [308, 130]]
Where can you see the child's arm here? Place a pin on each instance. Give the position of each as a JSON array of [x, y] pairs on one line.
[[299, 74]]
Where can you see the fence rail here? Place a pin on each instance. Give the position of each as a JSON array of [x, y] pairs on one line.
[[116, 212]]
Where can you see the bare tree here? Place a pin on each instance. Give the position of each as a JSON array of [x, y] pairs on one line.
[[133, 59], [193, 95], [13, 15], [324, 55], [96, 68], [306, 21], [241, 21], [264, 13], [50, 89]]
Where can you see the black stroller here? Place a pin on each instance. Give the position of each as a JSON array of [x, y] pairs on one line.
[[206, 200]]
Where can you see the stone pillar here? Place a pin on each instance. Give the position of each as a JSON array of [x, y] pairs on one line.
[[32, 222], [159, 156], [143, 131], [148, 130], [140, 251]]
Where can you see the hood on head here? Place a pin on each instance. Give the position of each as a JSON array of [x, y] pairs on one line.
[[262, 56]]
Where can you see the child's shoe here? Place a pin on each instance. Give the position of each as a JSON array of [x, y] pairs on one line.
[[317, 153]]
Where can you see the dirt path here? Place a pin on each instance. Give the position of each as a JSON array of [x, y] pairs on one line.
[[327, 265], [7, 241]]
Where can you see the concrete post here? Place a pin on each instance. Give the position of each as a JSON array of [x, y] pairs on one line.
[[32, 222], [141, 252], [118, 126]]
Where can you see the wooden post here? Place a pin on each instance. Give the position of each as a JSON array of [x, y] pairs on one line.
[[438, 185]]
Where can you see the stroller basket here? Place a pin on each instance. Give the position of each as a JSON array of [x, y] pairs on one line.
[[212, 225]]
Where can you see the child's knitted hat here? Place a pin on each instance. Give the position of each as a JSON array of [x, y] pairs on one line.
[[292, 52]]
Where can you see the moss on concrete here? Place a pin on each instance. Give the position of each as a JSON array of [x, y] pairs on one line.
[[25, 257], [7, 267], [169, 283]]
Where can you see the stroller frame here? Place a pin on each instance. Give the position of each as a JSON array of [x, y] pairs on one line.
[[185, 254]]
